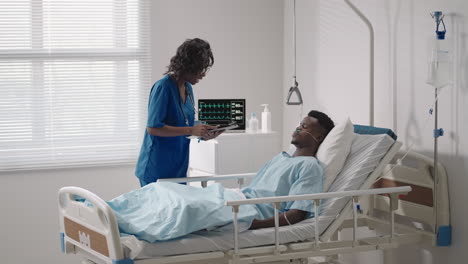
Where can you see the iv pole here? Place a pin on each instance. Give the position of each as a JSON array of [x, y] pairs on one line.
[[438, 17]]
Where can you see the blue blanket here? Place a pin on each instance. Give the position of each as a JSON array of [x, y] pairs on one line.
[[166, 210]]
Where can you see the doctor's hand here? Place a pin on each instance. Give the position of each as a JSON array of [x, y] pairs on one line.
[[212, 135], [201, 130]]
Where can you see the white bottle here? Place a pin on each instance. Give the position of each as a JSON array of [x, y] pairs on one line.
[[266, 119], [253, 124]]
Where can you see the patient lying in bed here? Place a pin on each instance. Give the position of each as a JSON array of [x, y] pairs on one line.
[[165, 210]]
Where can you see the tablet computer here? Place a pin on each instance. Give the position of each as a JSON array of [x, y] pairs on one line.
[[225, 127]]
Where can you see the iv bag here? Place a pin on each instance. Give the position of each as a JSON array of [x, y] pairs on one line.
[[440, 63]]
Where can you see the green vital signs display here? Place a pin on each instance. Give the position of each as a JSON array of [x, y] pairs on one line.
[[222, 112]]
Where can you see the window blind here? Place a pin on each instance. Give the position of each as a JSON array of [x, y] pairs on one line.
[[74, 82]]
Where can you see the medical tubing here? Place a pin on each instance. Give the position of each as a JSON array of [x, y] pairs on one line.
[[412, 144], [285, 218], [424, 125], [300, 130]]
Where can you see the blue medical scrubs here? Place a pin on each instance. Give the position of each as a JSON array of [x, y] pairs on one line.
[[166, 157]]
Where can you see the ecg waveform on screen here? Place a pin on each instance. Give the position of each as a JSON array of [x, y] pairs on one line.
[[221, 111]]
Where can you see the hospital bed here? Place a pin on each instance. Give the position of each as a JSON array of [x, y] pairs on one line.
[[375, 189]]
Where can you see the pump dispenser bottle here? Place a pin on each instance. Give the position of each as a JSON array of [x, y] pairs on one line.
[[266, 119]]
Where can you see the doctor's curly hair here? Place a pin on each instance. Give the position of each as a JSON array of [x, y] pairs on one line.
[[194, 56]]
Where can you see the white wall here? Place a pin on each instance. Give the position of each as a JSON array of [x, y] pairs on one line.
[[246, 37], [333, 70]]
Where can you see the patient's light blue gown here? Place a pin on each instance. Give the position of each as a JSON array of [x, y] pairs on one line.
[[165, 210], [285, 175]]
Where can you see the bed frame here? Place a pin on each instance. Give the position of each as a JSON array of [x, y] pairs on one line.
[[406, 191]]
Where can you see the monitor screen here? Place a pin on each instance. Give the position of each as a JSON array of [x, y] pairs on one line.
[[222, 112]]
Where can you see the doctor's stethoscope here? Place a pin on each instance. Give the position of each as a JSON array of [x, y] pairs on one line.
[[189, 96]]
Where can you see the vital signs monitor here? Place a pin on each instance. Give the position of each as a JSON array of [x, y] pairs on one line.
[[222, 112]]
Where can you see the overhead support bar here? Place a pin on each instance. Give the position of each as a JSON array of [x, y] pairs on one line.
[[371, 58]]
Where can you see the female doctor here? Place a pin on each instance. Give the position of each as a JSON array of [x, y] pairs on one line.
[[171, 114]]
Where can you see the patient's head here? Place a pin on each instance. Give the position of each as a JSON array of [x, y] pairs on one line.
[[311, 132]]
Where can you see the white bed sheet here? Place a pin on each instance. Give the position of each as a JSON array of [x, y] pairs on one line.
[[366, 153]]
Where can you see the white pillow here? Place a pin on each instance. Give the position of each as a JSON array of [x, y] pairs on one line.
[[334, 149]]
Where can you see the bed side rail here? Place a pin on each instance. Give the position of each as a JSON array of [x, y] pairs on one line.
[[429, 201], [392, 192], [204, 179], [88, 224]]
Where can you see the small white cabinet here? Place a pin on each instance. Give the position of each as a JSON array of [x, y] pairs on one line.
[[234, 152]]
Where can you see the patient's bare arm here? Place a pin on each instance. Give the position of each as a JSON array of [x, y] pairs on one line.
[[293, 215]]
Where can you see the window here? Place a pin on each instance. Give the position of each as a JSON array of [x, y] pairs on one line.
[[74, 78]]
